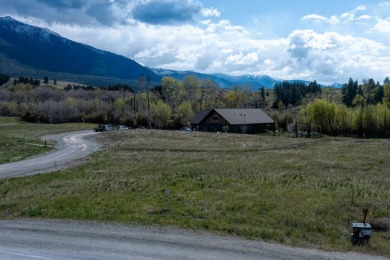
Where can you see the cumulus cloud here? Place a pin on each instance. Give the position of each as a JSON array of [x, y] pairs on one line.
[[335, 54], [209, 12], [382, 25], [242, 59]]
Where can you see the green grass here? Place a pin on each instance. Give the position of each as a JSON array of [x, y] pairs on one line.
[[20, 140], [293, 191]]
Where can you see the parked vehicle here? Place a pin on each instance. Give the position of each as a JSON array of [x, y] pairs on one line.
[[185, 129], [121, 128], [103, 128]]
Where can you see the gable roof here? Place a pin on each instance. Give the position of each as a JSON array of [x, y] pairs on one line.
[[237, 116], [200, 116], [245, 116]]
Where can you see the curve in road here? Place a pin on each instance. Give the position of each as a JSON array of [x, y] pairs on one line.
[[69, 148]]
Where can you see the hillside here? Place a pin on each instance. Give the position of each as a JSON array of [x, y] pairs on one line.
[[27, 50]]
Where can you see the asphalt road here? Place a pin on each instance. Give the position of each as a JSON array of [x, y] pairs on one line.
[[70, 147], [54, 239]]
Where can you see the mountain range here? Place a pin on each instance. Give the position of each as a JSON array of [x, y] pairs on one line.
[[223, 80], [27, 50], [31, 51]]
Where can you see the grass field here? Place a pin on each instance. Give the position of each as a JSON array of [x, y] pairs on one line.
[[301, 192]]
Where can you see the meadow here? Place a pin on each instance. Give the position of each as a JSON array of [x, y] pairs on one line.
[[294, 191]]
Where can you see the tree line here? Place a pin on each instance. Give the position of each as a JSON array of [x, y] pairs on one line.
[[363, 110], [367, 93], [169, 105], [292, 93], [335, 119]]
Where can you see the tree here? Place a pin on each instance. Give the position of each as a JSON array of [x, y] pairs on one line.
[[161, 113], [293, 93], [349, 92], [191, 84], [4, 79], [262, 93], [144, 84], [172, 90], [379, 93], [185, 112], [386, 93]]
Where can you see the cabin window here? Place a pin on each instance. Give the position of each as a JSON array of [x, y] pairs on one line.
[[215, 118]]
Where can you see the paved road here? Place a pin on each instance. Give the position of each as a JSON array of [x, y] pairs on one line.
[[69, 148], [54, 239]]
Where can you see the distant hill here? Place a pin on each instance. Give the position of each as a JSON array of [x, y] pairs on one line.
[[223, 80], [227, 81], [180, 75], [27, 50]]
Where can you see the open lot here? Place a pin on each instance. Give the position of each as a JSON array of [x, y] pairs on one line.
[[301, 192]]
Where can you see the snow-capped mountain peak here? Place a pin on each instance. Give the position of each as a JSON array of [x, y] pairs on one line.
[[42, 34]]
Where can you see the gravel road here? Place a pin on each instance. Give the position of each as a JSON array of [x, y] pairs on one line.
[[70, 147], [55, 239]]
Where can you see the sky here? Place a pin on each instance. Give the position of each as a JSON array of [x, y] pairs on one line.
[[328, 41]]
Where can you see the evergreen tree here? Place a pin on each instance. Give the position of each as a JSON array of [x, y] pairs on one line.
[[292, 93], [379, 93], [262, 93], [349, 92]]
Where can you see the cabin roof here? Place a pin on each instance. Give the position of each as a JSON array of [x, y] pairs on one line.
[[237, 116]]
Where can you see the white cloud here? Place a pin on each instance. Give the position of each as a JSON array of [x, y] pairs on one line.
[[224, 26], [209, 12], [382, 25], [350, 16], [242, 59], [317, 19], [303, 54], [350, 44], [364, 17]]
